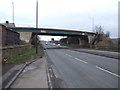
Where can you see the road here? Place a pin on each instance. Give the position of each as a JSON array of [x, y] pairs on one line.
[[102, 53], [83, 70]]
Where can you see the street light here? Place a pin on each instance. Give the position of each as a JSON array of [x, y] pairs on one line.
[[13, 11], [36, 25], [37, 14]]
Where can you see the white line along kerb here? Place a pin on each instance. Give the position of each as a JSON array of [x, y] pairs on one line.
[[107, 71]]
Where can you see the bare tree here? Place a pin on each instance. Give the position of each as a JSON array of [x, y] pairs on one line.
[[108, 33], [99, 29]]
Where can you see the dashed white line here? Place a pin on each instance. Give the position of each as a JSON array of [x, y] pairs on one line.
[[81, 60], [76, 58], [68, 55], [97, 67], [107, 71]]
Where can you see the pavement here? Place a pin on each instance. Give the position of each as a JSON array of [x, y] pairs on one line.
[[34, 76], [84, 70]]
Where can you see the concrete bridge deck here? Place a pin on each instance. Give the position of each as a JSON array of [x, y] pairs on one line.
[[28, 33], [52, 31]]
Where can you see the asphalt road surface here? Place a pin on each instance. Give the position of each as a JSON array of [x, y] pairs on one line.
[[83, 70], [103, 53]]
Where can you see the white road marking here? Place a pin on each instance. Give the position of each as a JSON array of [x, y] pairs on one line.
[[49, 78], [54, 71], [107, 71], [68, 55], [81, 60], [76, 58], [97, 67], [51, 75]]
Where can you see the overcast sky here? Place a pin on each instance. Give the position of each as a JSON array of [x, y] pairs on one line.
[[73, 14]]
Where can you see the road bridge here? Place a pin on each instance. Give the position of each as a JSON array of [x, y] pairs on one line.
[[57, 32], [53, 31]]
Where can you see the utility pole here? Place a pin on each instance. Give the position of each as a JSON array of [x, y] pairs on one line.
[[37, 14], [36, 25], [13, 12]]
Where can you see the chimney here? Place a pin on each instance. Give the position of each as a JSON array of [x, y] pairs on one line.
[[7, 22]]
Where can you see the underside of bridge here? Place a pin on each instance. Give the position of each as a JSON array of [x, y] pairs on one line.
[[81, 40], [84, 38], [76, 40]]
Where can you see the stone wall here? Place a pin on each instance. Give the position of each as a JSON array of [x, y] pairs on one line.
[[14, 50]]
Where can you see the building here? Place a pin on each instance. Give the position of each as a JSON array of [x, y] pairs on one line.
[[7, 24], [8, 37]]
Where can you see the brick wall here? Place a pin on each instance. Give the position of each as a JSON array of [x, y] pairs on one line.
[[8, 37]]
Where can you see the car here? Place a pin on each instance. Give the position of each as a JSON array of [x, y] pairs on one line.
[[58, 44], [53, 43]]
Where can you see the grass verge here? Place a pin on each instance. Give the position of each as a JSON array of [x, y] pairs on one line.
[[79, 47], [26, 55]]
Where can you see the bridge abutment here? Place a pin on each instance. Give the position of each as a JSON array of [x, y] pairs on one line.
[[26, 36], [83, 41]]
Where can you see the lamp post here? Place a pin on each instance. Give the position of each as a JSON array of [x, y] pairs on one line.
[[13, 11], [37, 14], [36, 25]]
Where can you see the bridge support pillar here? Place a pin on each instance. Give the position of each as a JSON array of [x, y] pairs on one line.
[[92, 40], [83, 41], [26, 36]]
